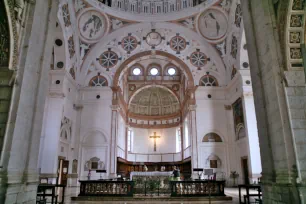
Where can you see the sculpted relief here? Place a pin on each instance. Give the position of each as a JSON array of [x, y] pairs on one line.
[[212, 24]]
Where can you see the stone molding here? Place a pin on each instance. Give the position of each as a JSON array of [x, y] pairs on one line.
[[295, 78]]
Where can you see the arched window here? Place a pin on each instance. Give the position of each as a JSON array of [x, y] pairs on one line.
[[208, 80], [211, 137], [98, 81]]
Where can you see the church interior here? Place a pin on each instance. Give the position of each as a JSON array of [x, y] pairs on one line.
[[152, 101]]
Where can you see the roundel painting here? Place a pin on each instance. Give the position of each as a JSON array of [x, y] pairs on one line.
[[92, 25], [212, 24]]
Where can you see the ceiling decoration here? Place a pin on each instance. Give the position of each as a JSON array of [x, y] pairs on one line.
[[153, 39], [66, 15], [212, 24], [178, 44], [198, 59], [98, 81], [208, 80], [154, 101], [226, 5], [129, 43], [72, 72], [79, 5], [188, 22], [92, 25], [71, 46], [234, 47], [238, 15], [108, 59]]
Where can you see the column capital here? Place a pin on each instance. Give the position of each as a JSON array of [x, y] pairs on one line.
[[115, 107], [192, 107]]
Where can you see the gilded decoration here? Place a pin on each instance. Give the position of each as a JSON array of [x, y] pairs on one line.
[[295, 37], [295, 53], [298, 5], [296, 20]]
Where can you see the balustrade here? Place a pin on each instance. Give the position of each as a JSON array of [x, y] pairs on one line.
[[106, 188], [197, 188]]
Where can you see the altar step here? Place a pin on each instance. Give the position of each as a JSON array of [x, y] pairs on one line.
[[148, 199]]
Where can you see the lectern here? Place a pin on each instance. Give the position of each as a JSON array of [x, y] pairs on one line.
[[101, 172]]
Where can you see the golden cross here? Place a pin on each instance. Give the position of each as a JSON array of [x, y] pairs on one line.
[[154, 137]]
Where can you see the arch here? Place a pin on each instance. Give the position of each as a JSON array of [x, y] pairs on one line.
[[212, 137], [148, 86], [208, 80], [125, 64], [214, 157], [94, 138], [98, 80]]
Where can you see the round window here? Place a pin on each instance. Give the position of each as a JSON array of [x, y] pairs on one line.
[[171, 71], [154, 71], [136, 71]]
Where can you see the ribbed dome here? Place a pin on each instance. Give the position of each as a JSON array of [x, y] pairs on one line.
[[154, 101]]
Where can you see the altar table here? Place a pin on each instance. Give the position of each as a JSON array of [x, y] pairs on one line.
[[150, 173]]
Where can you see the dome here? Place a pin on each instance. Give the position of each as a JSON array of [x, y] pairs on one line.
[[154, 101]]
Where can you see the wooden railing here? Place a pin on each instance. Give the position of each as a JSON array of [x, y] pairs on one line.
[[197, 188], [106, 188]]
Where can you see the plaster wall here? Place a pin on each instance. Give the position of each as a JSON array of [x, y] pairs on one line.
[[144, 144]]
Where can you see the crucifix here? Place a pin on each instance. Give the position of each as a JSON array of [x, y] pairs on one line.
[[154, 137]]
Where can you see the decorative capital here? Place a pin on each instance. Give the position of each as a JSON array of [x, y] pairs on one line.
[[77, 107], [115, 107], [192, 107], [228, 107]]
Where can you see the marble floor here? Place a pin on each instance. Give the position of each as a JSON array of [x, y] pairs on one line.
[[233, 192]]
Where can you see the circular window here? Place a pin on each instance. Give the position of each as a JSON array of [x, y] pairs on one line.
[[129, 43], [60, 65], [59, 42], [245, 65], [136, 71], [154, 71], [171, 71]]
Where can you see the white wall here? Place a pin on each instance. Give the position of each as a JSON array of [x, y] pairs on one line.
[[144, 144]]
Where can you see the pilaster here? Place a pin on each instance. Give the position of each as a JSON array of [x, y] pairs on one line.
[[193, 135], [113, 142]]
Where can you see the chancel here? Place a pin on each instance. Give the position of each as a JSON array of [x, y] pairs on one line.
[[152, 100], [154, 138]]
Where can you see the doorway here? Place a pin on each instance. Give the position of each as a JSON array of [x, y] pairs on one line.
[[63, 166], [245, 170]]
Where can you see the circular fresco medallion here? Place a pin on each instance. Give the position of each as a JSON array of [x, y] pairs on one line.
[[92, 25], [212, 24], [153, 39]]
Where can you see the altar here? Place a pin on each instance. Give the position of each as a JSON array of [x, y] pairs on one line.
[[150, 174]]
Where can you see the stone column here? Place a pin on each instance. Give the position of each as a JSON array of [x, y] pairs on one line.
[[252, 136], [193, 135], [49, 164], [275, 136], [113, 142]]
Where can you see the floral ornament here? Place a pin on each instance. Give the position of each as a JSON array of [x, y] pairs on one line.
[[108, 59], [71, 46], [238, 15], [177, 43], [66, 15], [198, 59], [234, 47], [129, 43]]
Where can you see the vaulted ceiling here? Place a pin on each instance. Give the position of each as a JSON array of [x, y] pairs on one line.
[[98, 38]]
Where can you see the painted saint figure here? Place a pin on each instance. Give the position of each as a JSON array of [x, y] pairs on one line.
[[212, 24], [93, 25]]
